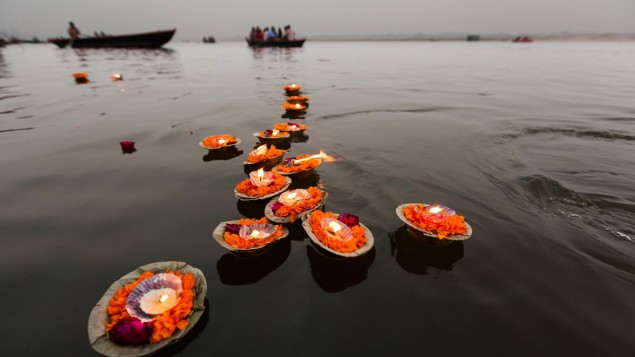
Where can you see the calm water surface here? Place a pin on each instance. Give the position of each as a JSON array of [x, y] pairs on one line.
[[533, 143]]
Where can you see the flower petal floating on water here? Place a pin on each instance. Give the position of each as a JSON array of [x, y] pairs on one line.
[[127, 147], [131, 331]]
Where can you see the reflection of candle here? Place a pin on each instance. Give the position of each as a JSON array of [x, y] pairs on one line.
[[158, 301]]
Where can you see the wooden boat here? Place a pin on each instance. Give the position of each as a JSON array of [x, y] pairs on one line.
[[522, 39], [154, 39], [275, 43]]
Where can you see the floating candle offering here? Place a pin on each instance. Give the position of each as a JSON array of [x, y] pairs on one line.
[[219, 141], [327, 231], [115, 77], [154, 296], [297, 99], [261, 178], [292, 127], [293, 197], [81, 77], [292, 87], [293, 107], [435, 221], [321, 156]]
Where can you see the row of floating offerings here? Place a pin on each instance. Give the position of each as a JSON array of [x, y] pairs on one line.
[[157, 304], [340, 234], [82, 77]]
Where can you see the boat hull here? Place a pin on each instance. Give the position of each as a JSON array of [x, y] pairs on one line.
[[141, 40], [275, 43]]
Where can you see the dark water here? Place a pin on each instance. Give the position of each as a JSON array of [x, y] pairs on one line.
[[533, 143]]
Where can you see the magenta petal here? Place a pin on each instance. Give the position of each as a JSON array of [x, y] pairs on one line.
[[131, 331], [350, 220], [268, 132], [276, 205], [127, 145], [232, 228]]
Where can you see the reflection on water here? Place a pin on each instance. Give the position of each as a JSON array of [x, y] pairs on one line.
[[176, 348], [415, 253], [333, 273], [237, 269], [222, 154], [252, 209], [542, 167]]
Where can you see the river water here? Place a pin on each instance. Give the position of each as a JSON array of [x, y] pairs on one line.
[[533, 143]]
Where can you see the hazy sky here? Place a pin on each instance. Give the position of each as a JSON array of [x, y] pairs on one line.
[[233, 18]]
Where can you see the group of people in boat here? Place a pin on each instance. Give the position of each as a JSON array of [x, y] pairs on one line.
[[74, 33], [271, 34]]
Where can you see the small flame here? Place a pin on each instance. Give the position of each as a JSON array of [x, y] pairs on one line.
[[261, 174], [292, 195], [334, 226], [275, 132], [116, 77], [298, 106], [254, 233], [322, 156], [164, 298], [221, 141], [435, 210]]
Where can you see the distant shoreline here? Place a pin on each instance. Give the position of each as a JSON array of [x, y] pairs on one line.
[[463, 37], [433, 38]]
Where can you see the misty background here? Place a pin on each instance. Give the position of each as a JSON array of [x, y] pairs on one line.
[[229, 19]]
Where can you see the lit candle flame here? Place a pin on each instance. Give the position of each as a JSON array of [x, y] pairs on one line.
[[261, 174], [298, 106], [221, 141], [164, 298], [292, 195], [116, 77], [254, 233], [322, 156], [435, 210], [335, 227], [275, 132]]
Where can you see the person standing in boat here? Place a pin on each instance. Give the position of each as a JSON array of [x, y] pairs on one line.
[[289, 33], [73, 32]]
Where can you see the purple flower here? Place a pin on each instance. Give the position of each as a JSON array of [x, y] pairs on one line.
[[350, 220], [131, 331], [276, 205], [268, 132], [233, 228]]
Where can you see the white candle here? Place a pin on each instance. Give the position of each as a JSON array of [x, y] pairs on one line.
[[158, 301]]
